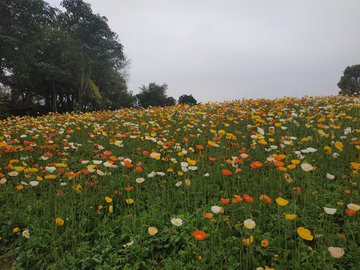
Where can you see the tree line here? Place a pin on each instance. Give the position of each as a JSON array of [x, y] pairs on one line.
[[59, 61]]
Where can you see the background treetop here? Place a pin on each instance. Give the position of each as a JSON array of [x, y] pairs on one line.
[[350, 82]]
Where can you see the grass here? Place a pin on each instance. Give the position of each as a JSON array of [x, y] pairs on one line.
[[251, 184]]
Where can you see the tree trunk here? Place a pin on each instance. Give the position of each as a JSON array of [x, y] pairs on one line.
[[53, 97]]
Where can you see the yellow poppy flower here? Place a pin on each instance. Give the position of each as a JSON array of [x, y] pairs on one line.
[[290, 217], [305, 233], [281, 201], [129, 201], [59, 222]]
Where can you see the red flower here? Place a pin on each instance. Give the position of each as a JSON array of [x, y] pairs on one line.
[[347, 191], [248, 198], [298, 190], [128, 188], [341, 236], [199, 235], [226, 172]]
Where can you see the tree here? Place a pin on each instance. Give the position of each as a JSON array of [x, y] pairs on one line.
[[170, 101], [350, 82], [98, 47], [187, 99], [23, 25], [154, 95], [58, 60]]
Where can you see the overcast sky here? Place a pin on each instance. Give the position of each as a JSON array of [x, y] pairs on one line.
[[232, 49]]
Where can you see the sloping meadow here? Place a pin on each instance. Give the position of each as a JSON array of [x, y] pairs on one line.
[[247, 184]]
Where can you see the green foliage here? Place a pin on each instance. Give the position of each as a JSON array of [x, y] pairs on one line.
[[187, 99], [350, 82], [154, 95]]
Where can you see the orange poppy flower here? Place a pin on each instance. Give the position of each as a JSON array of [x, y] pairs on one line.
[[256, 164], [128, 164], [350, 212], [278, 158], [138, 169], [146, 153], [347, 191], [237, 200], [216, 139], [264, 243], [221, 209], [212, 159], [128, 188], [248, 198], [200, 147], [341, 236], [298, 190], [265, 198], [225, 201], [199, 235], [279, 164], [226, 172], [237, 170], [228, 223], [242, 151], [208, 215]]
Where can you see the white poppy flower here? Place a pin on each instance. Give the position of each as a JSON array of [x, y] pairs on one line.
[[215, 209], [249, 224], [330, 211], [177, 221]]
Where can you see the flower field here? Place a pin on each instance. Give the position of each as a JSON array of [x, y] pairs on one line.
[[247, 184]]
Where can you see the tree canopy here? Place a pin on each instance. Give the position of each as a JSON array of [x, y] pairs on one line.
[[154, 95], [187, 99], [350, 82], [60, 60]]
